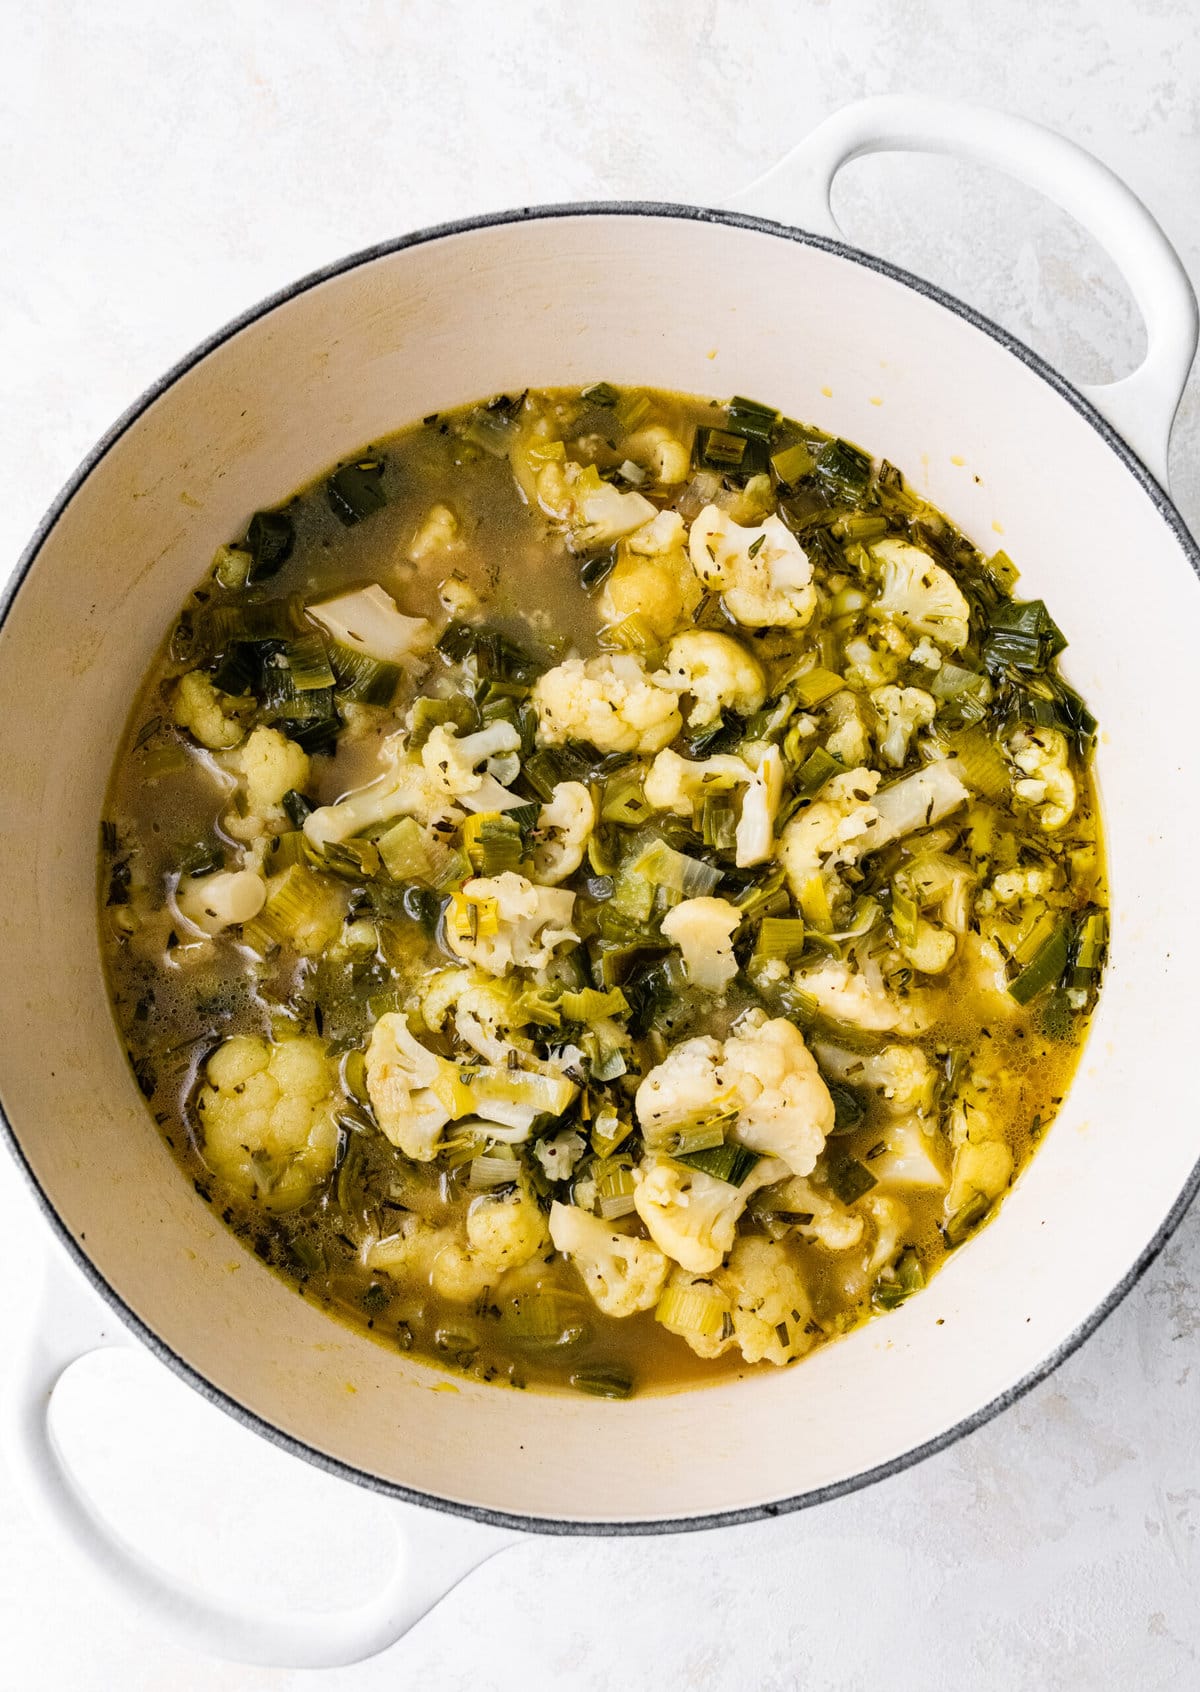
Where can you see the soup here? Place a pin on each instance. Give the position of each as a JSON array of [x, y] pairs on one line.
[[604, 889]]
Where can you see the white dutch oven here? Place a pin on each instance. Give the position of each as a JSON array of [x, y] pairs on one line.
[[709, 302]]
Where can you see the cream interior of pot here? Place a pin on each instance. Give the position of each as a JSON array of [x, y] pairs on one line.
[[678, 304]]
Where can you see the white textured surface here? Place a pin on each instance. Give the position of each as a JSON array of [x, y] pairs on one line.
[[168, 165]]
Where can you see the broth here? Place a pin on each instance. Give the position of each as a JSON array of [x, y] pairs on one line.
[[402, 1077]]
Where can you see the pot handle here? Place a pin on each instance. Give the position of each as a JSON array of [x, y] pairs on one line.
[[433, 1551], [1141, 407]]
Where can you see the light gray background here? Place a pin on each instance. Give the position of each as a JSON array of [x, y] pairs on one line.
[[165, 165]]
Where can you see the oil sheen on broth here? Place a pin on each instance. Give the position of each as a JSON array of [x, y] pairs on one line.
[[604, 888]]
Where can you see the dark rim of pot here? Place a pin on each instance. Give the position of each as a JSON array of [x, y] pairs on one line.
[[288, 1442]]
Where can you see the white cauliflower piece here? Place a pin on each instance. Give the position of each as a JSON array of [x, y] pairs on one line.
[[890, 1218], [213, 903], [505, 922], [653, 577], [412, 1090], [422, 1254], [983, 1163], [771, 1309], [609, 700], [680, 785], [787, 1111], [484, 1010], [917, 801], [817, 1217], [564, 826], [1046, 785], [458, 598], [718, 673], [559, 1154], [703, 929], [405, 789], [870, 661], [763, 1071], [505, 1230], [754, 840], [272, 765], [846, 735], [592, 513], [912, 1156], [901, 1077], [621, 1273], [455, 764], [859, 997], [268, 1114], [901, 712], [206, 713], [665, 456], [763, 573], [440, 531], [692, 1216], [369, 621], [837, 829], [1019, 886], [920, 594]]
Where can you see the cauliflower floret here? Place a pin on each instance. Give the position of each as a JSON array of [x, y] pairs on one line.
[[623, 1274], [1017, 886], [680, 784], [913, 1156], [665, 456], [421, 1253], [593, 513], [901, 1077], [1047, 785], [563, 827], [920, 594], [212, 903], [272, 765], [208, 715], [846, 731], [901, 712], [770, 1305], [764, 574], [754, 840], [983, 1163], [458, 598], [787, 1112], [269, 1118], [559, 1154], [717, 671], [692, 1216], [485, 1010], [505, 1230], [818, 1217], [455, 765], [405, 789], [869, 660], [763, 1071], [609, 700], [890, 1218], [703, 929], [440, 531], [504, 922], [859, 997], [652, 577], [369, 621], [836, 830], [917, 801], [926, 654], [412, 1090]]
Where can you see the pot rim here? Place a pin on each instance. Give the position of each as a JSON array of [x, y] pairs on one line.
[[336, 1466]]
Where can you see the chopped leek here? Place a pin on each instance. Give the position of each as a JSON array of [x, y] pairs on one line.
[[718, 822], [589, 1006], [403, 851], [780, 937], [270, 538], [848, 1108], [815, 905], [816, 770], [729, 452], [900, 1282], [614, 1188], [308, 663], [603, 1381], [493, 842], [491, 1171], [623, 797], [792, 463], [815, 687], [697, 1307], [964, 1222], [496, 656], [602, 394], [980, 762], [631, 634], [356, 491], [546, 1319], [1022, 634], [726, 1162], [849, 1180], [1046, 966], [365, 680], [492, 427], [751, 418], [845, 469], [662, 866]]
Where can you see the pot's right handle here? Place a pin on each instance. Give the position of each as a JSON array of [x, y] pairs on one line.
[[1140, 407], [432, 1554]]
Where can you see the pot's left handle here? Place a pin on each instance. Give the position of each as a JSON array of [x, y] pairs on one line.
[[433, 1551]]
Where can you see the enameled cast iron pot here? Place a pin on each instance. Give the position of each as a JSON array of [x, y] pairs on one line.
[[710, 302]]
